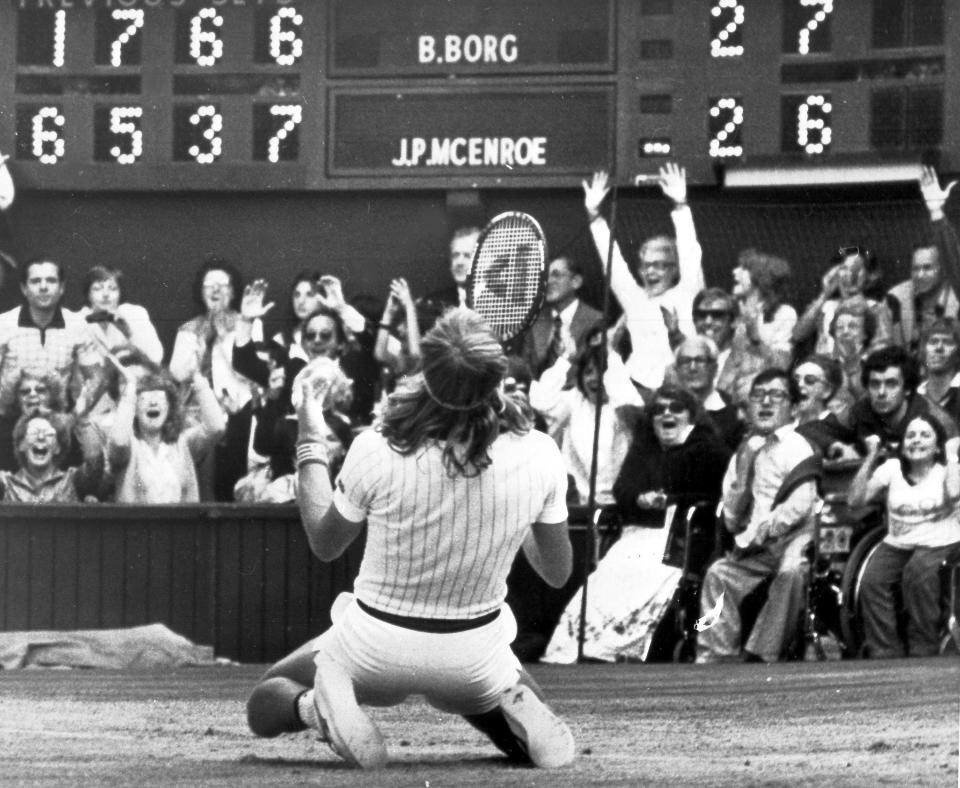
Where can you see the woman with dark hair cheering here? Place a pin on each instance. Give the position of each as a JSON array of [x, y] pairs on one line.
[[676, 459]]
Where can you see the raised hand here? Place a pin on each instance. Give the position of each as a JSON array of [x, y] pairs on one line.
[[251, 305], [751, 312], [7, 189], [400, 290], [276, 381], [330, 293], [595, 192], [673, 182], [830, 284], [670, 319], [933, 195], [312, 386], [951, 449]]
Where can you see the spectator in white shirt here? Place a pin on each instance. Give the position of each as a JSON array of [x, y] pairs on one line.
[[670, 274]]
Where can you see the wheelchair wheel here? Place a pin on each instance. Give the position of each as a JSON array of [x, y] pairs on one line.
[[850, 619]]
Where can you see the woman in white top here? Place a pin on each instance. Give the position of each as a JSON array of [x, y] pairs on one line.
[[570, 415], [149, 449], [670, 275], [118, 326], [921, 490]]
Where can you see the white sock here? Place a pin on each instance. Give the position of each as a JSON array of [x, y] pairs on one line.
[[308, 712]]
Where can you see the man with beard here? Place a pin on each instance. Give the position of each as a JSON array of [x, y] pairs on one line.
[[769, 493]]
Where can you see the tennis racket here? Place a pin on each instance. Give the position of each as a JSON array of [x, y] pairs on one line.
[[506, 283]]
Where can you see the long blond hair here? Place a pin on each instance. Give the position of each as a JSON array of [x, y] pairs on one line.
[[456, 400]]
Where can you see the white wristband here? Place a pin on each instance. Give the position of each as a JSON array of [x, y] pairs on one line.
[[312, 453]]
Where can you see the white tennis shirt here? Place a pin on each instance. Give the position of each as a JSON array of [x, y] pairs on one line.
[[441, 547]]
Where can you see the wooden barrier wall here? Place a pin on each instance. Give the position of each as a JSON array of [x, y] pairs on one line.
[[240, 578]]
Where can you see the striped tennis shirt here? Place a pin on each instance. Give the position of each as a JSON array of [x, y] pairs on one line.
[[441, 547]]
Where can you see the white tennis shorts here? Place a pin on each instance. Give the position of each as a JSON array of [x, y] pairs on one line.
[[457, 672]]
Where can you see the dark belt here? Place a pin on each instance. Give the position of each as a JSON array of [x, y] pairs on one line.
[[430, 624]]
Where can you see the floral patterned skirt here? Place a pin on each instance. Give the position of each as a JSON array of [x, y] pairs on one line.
[[627, 595]]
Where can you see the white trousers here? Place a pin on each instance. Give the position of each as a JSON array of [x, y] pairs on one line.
[[457, 672]]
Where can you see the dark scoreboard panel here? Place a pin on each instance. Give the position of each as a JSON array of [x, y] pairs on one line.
[[346, 94]]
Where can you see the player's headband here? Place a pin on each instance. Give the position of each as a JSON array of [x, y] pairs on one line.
[[449, 405]]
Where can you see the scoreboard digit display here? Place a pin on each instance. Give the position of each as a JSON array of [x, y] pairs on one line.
[[160, 93], [348, 94]]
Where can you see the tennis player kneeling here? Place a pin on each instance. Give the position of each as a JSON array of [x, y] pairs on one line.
[[450, 486]]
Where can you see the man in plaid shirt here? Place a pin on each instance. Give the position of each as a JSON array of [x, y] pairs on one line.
[[42, 337]]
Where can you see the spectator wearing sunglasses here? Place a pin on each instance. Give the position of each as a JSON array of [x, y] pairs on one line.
[[769, 493], [675, 458], [323, 336], [696, 370], [844, 284], [716, 317], [41, 441], [931, 290], [819, 381]]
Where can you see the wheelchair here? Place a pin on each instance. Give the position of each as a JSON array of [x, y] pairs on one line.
[[693, 542], [850, 597], [843, 541]]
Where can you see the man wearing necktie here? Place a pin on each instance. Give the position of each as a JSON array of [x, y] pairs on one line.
[[462, 246], [562, 325], [769, 495]]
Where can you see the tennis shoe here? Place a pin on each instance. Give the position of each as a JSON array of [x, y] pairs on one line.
[[352, 734], [547, 738]]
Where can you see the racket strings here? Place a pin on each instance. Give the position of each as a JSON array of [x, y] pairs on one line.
[[506, 281]]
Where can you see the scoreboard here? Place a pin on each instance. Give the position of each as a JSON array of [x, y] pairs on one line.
[[461, 94]]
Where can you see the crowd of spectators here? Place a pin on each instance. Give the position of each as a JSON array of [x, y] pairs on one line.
[[694, 379]]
